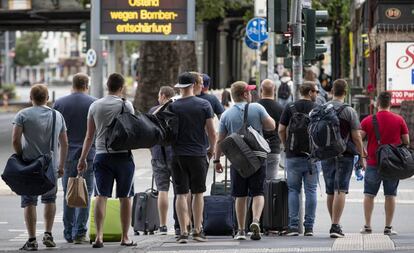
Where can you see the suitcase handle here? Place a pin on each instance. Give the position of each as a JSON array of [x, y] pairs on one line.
[[225, 175]]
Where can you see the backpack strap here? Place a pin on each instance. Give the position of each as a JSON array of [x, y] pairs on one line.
[[293, 108], [246, 111], [52, 144], [341, 108], [376, 128]]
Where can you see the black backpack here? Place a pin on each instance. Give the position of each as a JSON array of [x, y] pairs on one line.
[[325, 133], [298, 139], [284, 91]]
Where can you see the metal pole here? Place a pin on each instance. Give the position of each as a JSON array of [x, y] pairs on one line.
[[297, 42], [96, 44], [258, 66], [7, 57], [271, 42]]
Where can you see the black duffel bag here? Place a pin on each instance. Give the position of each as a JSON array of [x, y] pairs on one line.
[[128, 131], [394, 162], [167, 122], [30, 177]]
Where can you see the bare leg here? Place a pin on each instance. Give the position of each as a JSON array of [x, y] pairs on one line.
[[368, 208], [241, 203], [389, 209], [125, 218], [100, 212], [30, 217], [163, 207], [198, 208], [181, 205], [338, 207], [329, 204], [258, 204], [49, 216]]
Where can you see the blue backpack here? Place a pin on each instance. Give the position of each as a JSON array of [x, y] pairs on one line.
[[325, 133]]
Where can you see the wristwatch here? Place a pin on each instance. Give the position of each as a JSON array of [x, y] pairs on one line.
[[216, 161]]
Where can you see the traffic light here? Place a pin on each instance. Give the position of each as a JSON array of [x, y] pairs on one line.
[[280, 14], [313, 48], [86, 36]]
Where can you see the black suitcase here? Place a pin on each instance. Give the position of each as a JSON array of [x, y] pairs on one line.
[[223, 187], [219, 213], [145, 211], [275, 214]]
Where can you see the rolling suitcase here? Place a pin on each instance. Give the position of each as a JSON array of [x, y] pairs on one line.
[[112, 230], [145, 211], [275, 214], [219, 214]]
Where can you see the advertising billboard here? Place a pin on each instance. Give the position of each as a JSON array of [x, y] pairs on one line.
[[399, 73], [147, 19]]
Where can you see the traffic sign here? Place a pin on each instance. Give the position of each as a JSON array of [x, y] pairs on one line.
[[251, 44], [256, 30], [91, 58]]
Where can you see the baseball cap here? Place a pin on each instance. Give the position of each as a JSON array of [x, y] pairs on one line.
[[250, 87], [206, 80], [184, 80]]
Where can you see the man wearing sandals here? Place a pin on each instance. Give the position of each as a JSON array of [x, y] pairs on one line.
[[109, 165]]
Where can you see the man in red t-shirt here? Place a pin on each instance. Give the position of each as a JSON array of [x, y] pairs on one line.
[[393, 130]]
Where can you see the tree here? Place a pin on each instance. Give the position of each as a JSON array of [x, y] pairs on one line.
[[161, 66], [28, 50], [339, 24]]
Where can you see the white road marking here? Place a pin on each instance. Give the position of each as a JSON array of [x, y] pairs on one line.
[[3, 222]]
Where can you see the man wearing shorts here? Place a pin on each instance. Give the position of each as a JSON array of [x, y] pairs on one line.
[[190, 159], [161, 166], [109, 165], [387, 120]]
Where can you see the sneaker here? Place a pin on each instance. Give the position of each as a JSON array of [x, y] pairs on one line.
[[81, 240], [199, 237], [177, 232], [389, 231], [336, 231], [308, 232], [182, 238], [30, 246], [292, 232], [48, 241], [366, 230], [163, 230], [255, 229], [240, 236]]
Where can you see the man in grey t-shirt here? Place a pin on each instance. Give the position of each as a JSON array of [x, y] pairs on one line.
[[109, 165], [32, 138]]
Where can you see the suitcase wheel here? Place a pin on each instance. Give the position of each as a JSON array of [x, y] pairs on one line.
[[145, 232], [136, 232], [151, 232]]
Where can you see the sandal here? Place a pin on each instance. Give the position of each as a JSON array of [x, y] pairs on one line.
[[97, 245], [129, 244]]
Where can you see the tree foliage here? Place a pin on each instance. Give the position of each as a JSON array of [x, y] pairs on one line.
[[28, 50]]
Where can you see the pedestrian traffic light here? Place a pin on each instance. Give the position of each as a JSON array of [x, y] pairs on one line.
[[313, 48], [280, 14], [86, 36]]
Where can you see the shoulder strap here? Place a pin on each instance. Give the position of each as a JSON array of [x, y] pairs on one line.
[[293, 109], [123, 105], [52, 144], [376, 128], [246, 111], [341, 108]]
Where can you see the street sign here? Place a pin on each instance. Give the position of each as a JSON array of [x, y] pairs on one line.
[[251, 44], [91, 58], [256, 30]]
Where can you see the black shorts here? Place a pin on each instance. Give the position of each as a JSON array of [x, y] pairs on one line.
[[252, 186], [189, 173]]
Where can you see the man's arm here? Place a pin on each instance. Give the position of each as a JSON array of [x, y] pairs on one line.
[[217, 156], [357, 140], [363, 134], [282, 134], [211, 133], [90, 133], [268, 124], [405, 138], [17, 139], [63, 142]]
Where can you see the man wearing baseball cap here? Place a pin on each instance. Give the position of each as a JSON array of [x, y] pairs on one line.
[[190, 157], [231, 121], [218, 108]]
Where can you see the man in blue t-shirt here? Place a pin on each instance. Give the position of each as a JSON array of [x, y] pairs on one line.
[[190, 161], [230, 122], [74, 109]]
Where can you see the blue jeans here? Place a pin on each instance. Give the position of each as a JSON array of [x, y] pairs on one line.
[[75, 219], [337, 176], [372, 183], [298, 170]]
